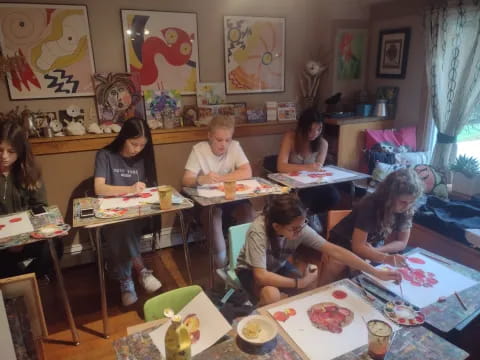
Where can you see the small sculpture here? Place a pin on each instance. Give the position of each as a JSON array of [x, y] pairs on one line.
[[310, 81], [93, 128]]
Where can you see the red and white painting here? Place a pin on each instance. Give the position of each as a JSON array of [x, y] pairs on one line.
[[55, 41], [328, 323], [243, 187], [426, 280], [327, 174], [16, 224], [163, 48]]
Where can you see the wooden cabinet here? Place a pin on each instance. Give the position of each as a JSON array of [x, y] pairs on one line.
[[346, 138]]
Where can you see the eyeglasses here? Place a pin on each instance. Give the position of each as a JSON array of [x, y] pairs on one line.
[[298, 229]]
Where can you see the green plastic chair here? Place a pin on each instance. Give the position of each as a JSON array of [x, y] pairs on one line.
[[173, 299], [236, 240]]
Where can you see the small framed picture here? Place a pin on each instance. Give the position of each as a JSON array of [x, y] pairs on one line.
[[393, 53], [239, 112], [190, 115]]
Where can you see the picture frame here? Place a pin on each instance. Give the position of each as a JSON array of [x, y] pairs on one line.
[[392, 57], [254, 66], [56, 43], [148, 33], [26, 286]]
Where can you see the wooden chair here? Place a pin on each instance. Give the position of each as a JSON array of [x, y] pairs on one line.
[[334, 217]]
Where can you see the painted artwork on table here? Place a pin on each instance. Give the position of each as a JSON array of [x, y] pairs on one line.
[[254, 54], [55, 41], [204, 323], [211, 93], [327, 323], [156, 101], [243, 187], [350, 53], [163, 48], [118, 97], [13, 225], [149, 195], [327, 174], [426, 280]]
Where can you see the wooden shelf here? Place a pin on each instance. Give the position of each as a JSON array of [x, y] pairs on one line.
[[66, 144]]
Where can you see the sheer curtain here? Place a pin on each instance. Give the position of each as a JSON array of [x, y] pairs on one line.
[[452, 31]]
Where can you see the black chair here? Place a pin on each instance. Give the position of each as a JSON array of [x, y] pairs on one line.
[[270, 163]]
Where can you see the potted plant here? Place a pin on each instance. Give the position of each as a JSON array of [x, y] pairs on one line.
[[466, 175]]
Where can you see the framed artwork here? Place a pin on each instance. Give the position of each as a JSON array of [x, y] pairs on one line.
[[55, 41], [163, 48], [254, 54], [26, 286], [190, 115], [350, 53], [118, 97], [393, 53], [211, 93], [239, 112]]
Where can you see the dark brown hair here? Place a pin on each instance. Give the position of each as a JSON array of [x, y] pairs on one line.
[[283, 210], [25, 170], [309, 117]]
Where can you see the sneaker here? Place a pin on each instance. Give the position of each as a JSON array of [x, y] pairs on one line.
[[129, 296], [149, 282]]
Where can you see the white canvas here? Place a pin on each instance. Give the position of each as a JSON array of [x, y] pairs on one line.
[[309, 177], [214, 190], [9, 226], [6, 342], [212, 325], [449, 281], [319, 344], [149, 195]]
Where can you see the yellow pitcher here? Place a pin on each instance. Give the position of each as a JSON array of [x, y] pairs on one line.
[[177, 340]]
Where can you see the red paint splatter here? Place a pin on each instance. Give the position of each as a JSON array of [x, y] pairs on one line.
[[2, 226], [416, 260], [126, 199], [418, 277], [291, 312], [401, 320], [58, 232], [145, 195], [280, 316], [15, 220], [339, 294], [294, 173], [153, 190]]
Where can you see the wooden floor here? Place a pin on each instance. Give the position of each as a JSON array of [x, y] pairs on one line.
[[168, 266], [83, 290]]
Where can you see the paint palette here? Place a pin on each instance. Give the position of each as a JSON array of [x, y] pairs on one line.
[[109, 213], [50, 231], [404, 313]]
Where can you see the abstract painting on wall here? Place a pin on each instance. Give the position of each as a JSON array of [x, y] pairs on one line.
[[55, 41], [162, 47], [350, 53], [254, 54], [156, 101], [118, 97]]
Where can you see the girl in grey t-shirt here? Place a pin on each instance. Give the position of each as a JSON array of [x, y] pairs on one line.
[[127, 166], [262, 265]]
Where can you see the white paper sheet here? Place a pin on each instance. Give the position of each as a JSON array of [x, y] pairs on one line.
[[215, 190], [6, 342], [212, 324], [15, 225], [149, 195], [447, 281], [320, 344], [309, 177]]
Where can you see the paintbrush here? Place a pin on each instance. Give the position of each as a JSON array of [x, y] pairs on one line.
[[364, 291], [460, 301], [400, 283], [138, 180]]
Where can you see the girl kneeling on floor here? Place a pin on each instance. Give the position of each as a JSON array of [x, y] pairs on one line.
[[263, 268], [125, 166]]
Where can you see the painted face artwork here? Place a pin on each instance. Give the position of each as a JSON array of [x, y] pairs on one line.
[[8, 156], [134, 146], [220, 140], [119, 98]]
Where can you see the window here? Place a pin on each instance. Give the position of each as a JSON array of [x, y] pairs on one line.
[[468, 141]]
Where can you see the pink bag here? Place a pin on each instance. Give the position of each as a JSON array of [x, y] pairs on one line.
[[392, 140]]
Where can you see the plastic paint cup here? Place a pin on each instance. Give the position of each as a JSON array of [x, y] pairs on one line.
[[165, 196], [230, 189]]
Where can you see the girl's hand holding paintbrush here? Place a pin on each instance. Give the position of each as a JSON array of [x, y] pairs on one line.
[[395, 260], [138, 187]]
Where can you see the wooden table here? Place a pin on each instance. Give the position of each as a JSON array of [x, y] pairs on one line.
[[132, 213], [410, 343], [210, 203], [449, 314], [53, 216]]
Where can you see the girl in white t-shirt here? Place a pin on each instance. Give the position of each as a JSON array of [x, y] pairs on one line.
[[216, 160]]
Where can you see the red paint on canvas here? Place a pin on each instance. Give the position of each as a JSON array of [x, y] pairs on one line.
[[418, 277], [416, 260], [339, 294], [15, 220]]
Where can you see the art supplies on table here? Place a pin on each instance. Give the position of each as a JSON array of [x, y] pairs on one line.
[[403, 313], [204, 322], [148, 196], [243, 187], [50, 231], [326, 175], [426, 280], [16, 224], [327, 323]]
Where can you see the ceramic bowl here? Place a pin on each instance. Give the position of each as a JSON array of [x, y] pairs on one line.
[[267, 329]]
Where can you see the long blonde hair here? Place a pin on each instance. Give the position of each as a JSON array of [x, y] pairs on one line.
[[398, 183]]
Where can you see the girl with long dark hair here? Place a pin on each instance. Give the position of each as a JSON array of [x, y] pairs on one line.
[[127, 165], [305, 149], [21, 188], [263, 267]]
